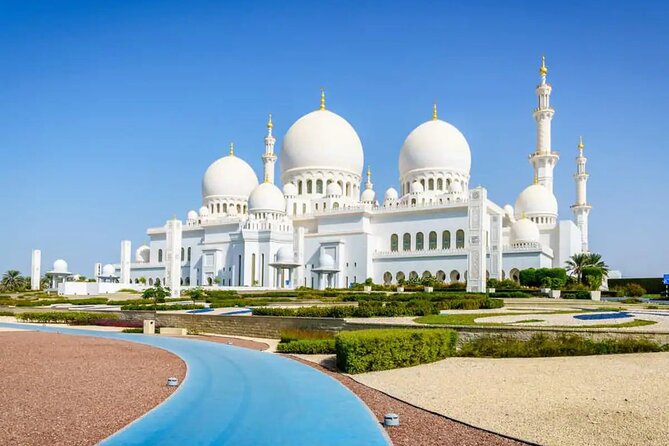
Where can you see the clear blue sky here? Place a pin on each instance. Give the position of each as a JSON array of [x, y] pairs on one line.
[[110, 112]]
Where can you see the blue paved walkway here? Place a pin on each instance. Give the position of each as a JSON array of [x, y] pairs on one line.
[[236, 396]]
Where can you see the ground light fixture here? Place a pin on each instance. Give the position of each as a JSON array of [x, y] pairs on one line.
[[391, 419], [172, 381]]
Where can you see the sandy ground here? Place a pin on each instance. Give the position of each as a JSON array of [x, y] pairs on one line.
[[581, 401], [74, 390], [661, 319]]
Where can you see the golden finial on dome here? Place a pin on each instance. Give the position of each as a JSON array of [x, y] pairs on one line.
[[269, 122], [232, 149], [536, 178], [322, 98], [369, 172], [580, 143], [434, 111], [543, 70]]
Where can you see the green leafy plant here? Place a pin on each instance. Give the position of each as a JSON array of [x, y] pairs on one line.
[[370, 350], [65, 317]]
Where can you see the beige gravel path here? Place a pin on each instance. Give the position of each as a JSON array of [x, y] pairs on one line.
[[581, 401]]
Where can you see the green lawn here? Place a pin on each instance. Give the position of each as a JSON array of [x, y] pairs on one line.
[[468, 319]]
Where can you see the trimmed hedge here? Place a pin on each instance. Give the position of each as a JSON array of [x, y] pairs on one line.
[[162, 307], [364, 309], [541, 345], [64, 317], [307, 346], [298, 334], [370, 350], [652, 285]]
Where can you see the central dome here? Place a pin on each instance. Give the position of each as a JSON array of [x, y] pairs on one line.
[[321, 140], [229, 176], [435, 145]]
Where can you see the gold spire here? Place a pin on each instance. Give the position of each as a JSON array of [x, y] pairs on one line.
[[322, 98], [269, 122], [580, 143], [232, 149], [434, 111], [266, 177], [543, 70], [536, 178], [369, 173]]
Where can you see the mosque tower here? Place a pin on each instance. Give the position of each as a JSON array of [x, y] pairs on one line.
[[543, 159], [269, 158], [581, 208]]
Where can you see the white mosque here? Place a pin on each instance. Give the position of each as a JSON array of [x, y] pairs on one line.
[[326, 228]]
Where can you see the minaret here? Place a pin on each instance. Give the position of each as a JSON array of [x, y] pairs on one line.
[[544, 159], [269, 158], [581, 208], [368, 184]]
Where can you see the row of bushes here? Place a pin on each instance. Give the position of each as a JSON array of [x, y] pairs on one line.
[[541, 345], [162, 307], [64, 317]]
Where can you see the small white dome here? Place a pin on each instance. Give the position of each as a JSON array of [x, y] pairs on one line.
[[267, 198], [417, 188], [321, 139], [391, 194], [142, 254], [192, 215], [204, 211], [326, 261], [60, 266], [508, 210], [108, 270], [524, 231], [435, 145], [285, 255], [289, 190], [368, 196], [333, 190], [229, 176], [536, 200]]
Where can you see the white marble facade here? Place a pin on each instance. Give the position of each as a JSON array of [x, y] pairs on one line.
[[326, 228]]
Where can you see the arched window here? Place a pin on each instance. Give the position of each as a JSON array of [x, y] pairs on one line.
[[432, 240], [419, 241], [441, 276], [150, 281], [183, 254], [136, 281], [413, 275], [187, 280], [430, 184], [399, 277], [460, 239], [299, 187], [157, 282], [308, 186], [440, 184], [189, 257], [304, 208], [387, 278], [348, 189], [160, 256], [335, 205], [413, 202], [446, 240], [427, 274], [239, 209], [319, 186], [406, 242], [210, 281], [455, 276], [394, 241], [225, 207], [514, 274], [181, 281]]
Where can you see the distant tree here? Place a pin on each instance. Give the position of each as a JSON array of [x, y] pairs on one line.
[[13, 281], [157, 293], [590, 262], [142, 280]]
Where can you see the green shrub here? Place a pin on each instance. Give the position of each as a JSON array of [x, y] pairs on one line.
[[128, 290], [64, 317], [308, 346], [652, 285], [575, 295], [6, 313], [535, 277], [370, 350], [635, 290], [298, 334], [137, 330], [631, 300], [161, 307], [541, 345]]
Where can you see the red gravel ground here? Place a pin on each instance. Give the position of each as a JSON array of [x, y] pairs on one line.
[[417, 427], [73, 390]]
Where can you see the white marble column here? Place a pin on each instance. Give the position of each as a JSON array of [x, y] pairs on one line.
[[125, 261], [476, 244], [173, 256], [36, 271]]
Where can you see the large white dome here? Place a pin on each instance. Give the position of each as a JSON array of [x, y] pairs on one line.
[[229, 176], [435, 145], [108, 270], [60, 266], [536, 200], [321, 139], [267, 198], [524, 231]]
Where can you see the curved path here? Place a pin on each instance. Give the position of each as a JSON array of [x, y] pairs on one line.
[[236, 396]]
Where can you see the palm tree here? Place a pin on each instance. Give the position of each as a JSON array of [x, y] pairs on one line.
[[578, 262], [12, 280]]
